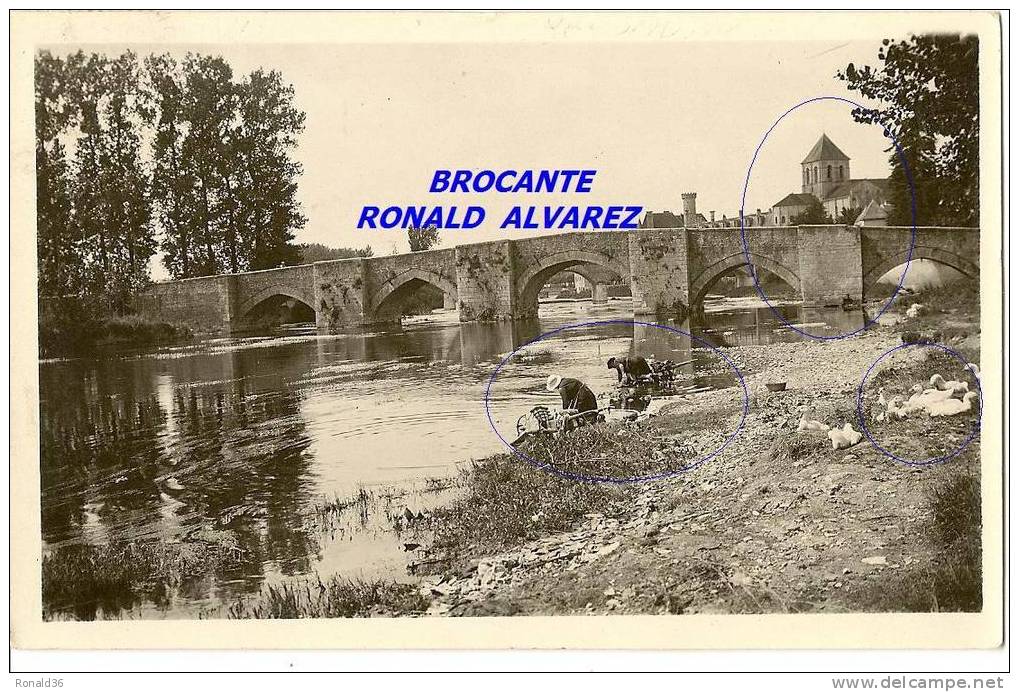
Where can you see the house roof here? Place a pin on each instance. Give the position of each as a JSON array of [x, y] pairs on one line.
[[666, 219], [796, 199], [825, 150], [873, 212], [845, 188]]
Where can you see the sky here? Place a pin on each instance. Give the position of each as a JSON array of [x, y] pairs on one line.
[[654, 119]]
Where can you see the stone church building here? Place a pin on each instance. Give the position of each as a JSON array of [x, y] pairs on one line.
[[825, 177]]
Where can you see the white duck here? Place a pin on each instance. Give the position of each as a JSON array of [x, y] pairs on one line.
[[895, 409], [922, 397], [956, 386], [846, 437], [808, 423], [951, 407]]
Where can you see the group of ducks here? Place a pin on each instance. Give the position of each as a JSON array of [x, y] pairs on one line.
[[938, 400]]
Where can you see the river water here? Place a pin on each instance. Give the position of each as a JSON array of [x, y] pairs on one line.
[[254, 435]]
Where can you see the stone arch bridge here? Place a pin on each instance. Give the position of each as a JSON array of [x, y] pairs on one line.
[[669, 271]]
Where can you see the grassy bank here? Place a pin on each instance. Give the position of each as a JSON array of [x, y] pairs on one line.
[[508, 501], [952, 580], [334, 598], [87, 581], [79, 333]]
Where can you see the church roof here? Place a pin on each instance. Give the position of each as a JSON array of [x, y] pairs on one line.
[[825, 150], [796, 199], [845, 188]]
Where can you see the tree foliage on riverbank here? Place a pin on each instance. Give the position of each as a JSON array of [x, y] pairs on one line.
[[927, 88], [95, 231], [136, 156], [317, 252]]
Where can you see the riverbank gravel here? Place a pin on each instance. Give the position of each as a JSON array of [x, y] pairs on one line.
[[777, 522]]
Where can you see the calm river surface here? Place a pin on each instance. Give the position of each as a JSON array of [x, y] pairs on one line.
[[250, 435]]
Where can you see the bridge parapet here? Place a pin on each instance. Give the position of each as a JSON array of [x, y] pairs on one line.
[[884, 248], [669, 270], [202, 303]]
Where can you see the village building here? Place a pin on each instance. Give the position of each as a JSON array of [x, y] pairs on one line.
[[786, 209], [873, 214], [825, 177]]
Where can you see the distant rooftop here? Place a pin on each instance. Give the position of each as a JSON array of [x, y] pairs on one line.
[[873, 212], [666, 219], [796, 199]]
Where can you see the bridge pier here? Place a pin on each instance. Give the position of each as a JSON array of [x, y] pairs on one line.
[[660, 272], [339, 289], [484, 282], [599, 294], [830, 264]]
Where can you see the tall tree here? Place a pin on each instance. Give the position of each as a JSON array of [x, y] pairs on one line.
[[268, 125], [173, 183], [208, 110], [225, 182], [126, 180], [928, 91], [111, 214], [54, 234]]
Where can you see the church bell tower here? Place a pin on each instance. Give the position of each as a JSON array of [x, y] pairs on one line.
[[824, 169]]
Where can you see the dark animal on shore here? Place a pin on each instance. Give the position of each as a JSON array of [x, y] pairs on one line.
[[921, 338]]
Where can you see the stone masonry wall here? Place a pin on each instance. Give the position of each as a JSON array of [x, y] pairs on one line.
[[383, 272], [830, 264], [339, 293], [485, 281], [885, 247], [610, 247], [202, 304], [662, 265], [659, 271], [252, 287]]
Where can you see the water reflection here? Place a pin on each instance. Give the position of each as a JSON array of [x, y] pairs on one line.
[[735, 325], [248, 435]]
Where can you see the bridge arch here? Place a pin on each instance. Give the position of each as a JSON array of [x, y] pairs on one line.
[[251, 303], [385, 303], [530, 281], [704, 281], [920, 252]]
